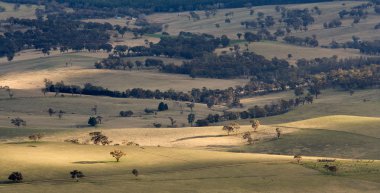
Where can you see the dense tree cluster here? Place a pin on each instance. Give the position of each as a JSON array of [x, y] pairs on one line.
[[261, 34], [54, 33], [232, 66], [164, 5], [332, 24], [307, 41], [366, 47], [186, 45], [281, 107], [298, 19], [359, 11], [197, 95], [126, 113]]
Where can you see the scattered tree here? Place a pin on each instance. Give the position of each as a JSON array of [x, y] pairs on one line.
[[255, 124], [172, 121], [16, 177], [233, 127], [99, 138], [248, 136], [191, 118], [92, 121], [298, 158], [36, 137], [76, 174], [60, 114], [117, 154], [278, 132], [18, 122], [163, 106], [135, 172], [51, 112]]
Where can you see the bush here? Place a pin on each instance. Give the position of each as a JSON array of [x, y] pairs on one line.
[[92, 121], [149, 111], [157, 125], [16, 177], [126, 113], [163, 106], [18, 122], [202, 123]]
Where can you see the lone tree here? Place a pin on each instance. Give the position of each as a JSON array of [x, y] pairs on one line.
[[191, 106], [239, 35], [172, 121], [15, 177], [278, 132], [92, 121], [60, 114], [233, 127], [36, 137], [298, 158], [117, 154], [51, 112], [248, 136], [162, 107], [18, 122], [76, 174], [98, 138], [95, 109], [255, 124], [135, 172], [191, 118]]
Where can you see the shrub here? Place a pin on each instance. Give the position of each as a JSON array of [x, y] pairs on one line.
[[126, 113], [92, 121], [16, 177]]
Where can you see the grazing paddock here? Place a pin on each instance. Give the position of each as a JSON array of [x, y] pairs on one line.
[[163, 169]]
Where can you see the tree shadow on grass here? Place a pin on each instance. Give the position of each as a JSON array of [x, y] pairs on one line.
[[7, 182], [92, 162], [198, 137]]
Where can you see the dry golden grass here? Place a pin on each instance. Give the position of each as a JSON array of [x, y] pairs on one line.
[[23, 12], [29, 74], [369, 126], [280, 50], [365, 29], [46, 168]]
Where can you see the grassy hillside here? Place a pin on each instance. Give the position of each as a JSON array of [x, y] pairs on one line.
[[331, 102], [271, 49], [164, 170], [178, 22], [315, 142], [29, 74]]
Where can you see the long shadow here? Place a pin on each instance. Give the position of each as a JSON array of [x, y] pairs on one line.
[[92, 162], [198, 137], [7, 182]]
